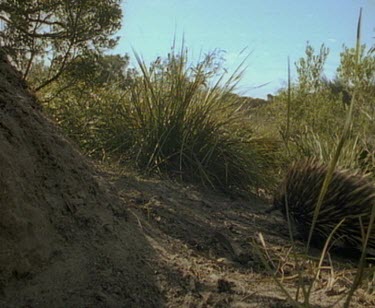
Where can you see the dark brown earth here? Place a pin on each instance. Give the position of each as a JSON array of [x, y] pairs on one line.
[[77, 235]]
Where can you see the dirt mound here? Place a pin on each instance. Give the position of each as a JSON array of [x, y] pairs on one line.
[[66, 240]]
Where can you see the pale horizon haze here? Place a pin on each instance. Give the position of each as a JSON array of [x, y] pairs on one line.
[[269, 31]]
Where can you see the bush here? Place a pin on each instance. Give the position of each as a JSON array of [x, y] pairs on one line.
[[319, 107]]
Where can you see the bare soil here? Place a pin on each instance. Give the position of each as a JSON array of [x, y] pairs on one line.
[[77, 235]]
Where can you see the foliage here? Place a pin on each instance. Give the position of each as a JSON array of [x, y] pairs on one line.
[[361, 76], [364, 74], [56, 32], [318, 107], [100, 70], [310, 69], [85, 83]]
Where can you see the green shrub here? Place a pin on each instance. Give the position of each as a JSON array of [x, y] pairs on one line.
[[319, 107]]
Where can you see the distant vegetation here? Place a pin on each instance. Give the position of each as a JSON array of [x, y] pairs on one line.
[[318, 109]]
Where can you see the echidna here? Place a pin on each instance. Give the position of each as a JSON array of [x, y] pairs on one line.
[[350, 196]]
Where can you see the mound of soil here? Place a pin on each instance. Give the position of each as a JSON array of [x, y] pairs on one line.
[[65, 237]]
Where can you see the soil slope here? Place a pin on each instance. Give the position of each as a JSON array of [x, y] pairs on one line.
[[64, 235]]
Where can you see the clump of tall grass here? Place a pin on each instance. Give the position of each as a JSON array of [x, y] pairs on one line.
[[180, 119], [355, 153]]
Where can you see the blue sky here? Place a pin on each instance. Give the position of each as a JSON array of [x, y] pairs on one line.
[[270, 30]]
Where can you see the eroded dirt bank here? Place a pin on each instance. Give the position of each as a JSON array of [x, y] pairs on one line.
[[65, 236]]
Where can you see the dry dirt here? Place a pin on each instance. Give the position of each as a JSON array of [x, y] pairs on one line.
[[77, 235]]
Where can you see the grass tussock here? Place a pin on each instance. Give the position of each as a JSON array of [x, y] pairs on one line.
[[183, 120]]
